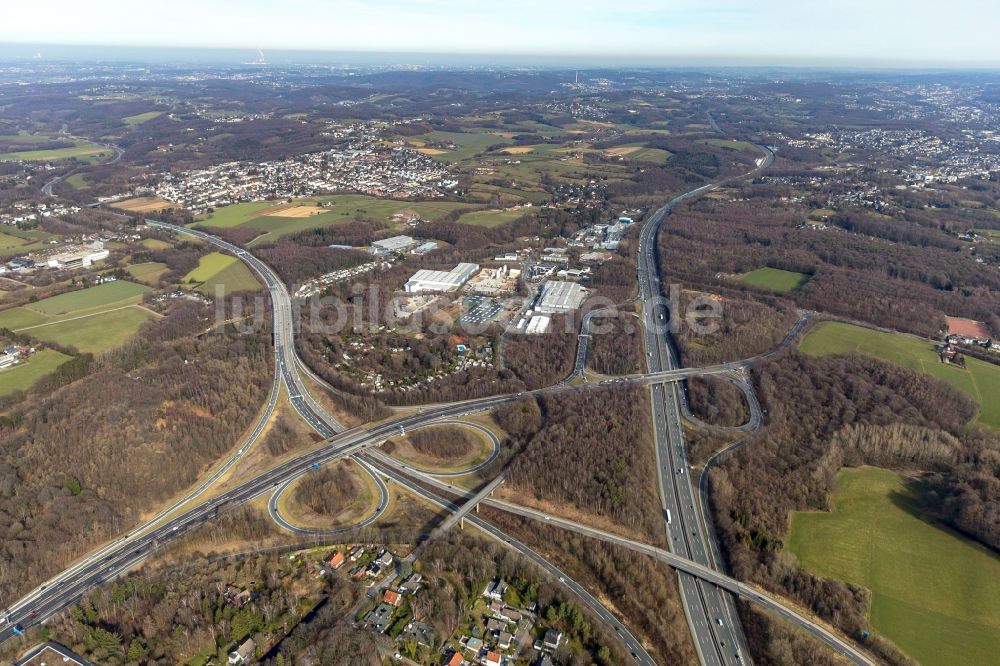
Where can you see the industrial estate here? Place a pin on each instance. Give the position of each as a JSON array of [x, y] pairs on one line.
[[497, 366]]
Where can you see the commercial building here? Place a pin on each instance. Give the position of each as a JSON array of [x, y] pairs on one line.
[[559, 297], [424, 248], [393, 244], [538, 325], [77, 256], [427, 280]]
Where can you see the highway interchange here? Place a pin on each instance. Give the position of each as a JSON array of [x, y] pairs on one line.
[[700, 582]]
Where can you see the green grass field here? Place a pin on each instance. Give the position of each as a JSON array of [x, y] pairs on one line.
[[730, 143], [775, 279], [92, 319], [468, 143], [95, 333], [77, 181], [101, 296], [154, 243], [148, 271], [8, 241], [208, 266], [339, 209], [221, 269], [17, 241], [935, 593], [979, 379], [141, 117], [23, 376], [23, 138], [236, 214], [233, 278], [492, 218], [85, 151]]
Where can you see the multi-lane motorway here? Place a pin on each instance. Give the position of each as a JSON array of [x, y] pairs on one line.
[[388, 465], [711, 613], [131, 549]]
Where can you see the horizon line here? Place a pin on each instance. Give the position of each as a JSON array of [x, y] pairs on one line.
[[638, 60]]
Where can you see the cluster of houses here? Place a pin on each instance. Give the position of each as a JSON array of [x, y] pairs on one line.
[[25, 212], [506, 630], [363, 163]]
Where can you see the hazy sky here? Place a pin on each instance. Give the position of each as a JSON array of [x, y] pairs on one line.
[[767, 31]]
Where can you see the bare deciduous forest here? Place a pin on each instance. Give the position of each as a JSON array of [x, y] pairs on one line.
[[79, 463], [599, 466]]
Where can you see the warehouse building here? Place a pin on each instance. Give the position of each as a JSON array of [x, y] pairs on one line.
[[392, 244], [427, 280], [538, 325], [559, 297]]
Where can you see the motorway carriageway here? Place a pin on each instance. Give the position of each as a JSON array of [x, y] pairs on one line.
[[130, 552]]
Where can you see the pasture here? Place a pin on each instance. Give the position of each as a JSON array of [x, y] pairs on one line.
[[277, 220], [935, 593], [92, 319], [466, 144], [148, 272], [23, 376], [492, 218], [90, 152], [19, 241], [104, 295], [638, 151], [22, 138], [216, 269], [94, 333], [730, 144], [775, 279], [140, 118], [154, 243], [978, 379], [77, 181]]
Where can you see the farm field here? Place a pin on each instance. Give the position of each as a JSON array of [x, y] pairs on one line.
[[141, 117], [468, 144], [730, 143], [305, 214], [979, 379], [235, 214], [92, 319], [17, 241], [149, 271], [154, 243], [935, 593], [775, 279], [77, 181], [88, 151], [94, 333], [110, 293], [492, 218], [23, 138], [638, 151], [221, 269], [144, 204], [23, 376]]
